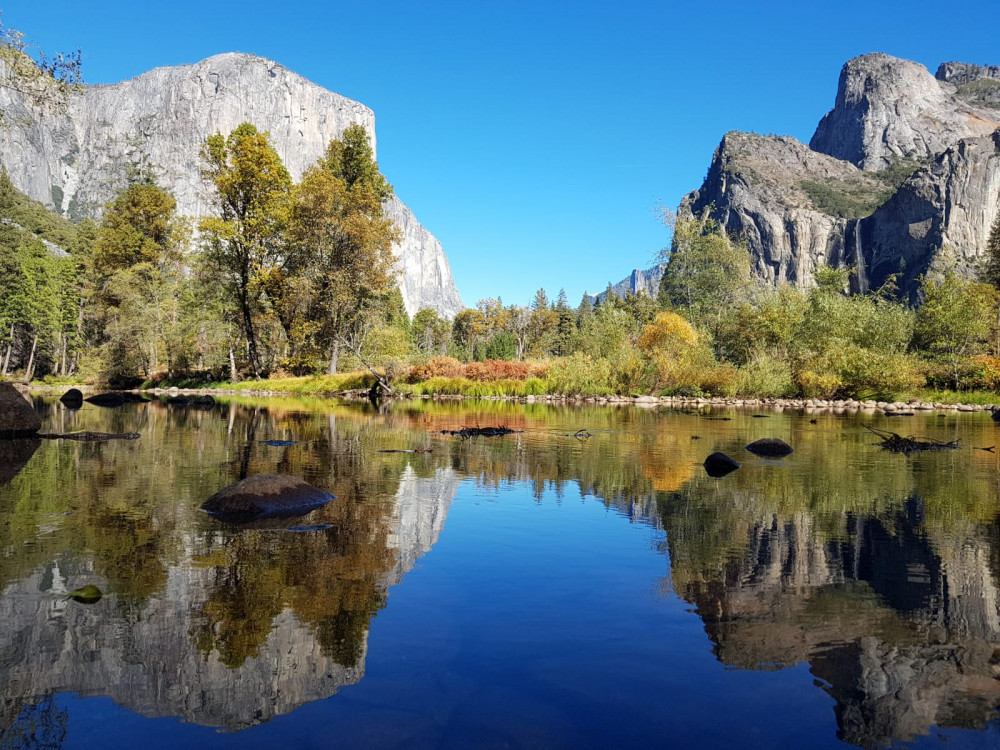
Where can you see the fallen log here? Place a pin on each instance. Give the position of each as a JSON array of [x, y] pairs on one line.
[[899, 444], [88, 436], [468, 432]]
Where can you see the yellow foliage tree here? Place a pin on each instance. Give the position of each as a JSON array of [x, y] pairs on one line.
[[672, 345]]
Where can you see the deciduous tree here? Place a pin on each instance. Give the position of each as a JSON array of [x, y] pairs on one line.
[[246, 239]]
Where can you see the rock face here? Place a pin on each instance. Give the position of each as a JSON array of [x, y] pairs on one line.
[[73, 155], [755, 189], [905, 166], [17, 418], [888, 109], [942, 214]]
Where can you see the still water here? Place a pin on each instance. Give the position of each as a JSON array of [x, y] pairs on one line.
[[539, 590]]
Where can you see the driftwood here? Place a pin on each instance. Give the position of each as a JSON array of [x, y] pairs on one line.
[[411, 450], [88, 436], [480, 432], [899, 444]]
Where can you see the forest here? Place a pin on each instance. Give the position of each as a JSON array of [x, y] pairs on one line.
[[287, 279], [297, 279]]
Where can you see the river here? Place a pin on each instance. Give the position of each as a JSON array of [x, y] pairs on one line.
[[580, 583]]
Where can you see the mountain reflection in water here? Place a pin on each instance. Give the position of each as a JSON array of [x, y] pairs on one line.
[[878, 571]]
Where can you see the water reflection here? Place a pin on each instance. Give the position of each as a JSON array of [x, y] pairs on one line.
[[224, 627], [879, 571], [14, 454]]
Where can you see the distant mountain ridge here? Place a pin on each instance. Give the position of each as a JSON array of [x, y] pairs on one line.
[[901, 177], [640, 281], [75, 154]]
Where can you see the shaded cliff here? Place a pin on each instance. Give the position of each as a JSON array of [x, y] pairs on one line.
[[73, 152], [904, 167]]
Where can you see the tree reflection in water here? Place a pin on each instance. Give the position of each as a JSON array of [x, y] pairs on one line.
[[879, 571]]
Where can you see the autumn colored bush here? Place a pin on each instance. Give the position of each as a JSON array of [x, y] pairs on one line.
[[436, 367], [481, 372]]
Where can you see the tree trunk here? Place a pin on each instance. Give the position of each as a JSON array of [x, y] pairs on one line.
[[232, 364], [29, 370], [10, 347], [251, 337], [334, 356]]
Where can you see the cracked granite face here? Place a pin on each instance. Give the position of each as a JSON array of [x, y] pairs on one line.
[[75, 153]]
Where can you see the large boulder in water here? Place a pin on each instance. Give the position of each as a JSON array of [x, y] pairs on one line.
[[17, 418], [265, 496], [773, 447], [719, 464], [72, 399]]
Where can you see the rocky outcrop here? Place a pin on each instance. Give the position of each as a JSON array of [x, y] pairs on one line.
[[900, 178], [73, 153], [756, 189], [941, 216], [978, 85], [889, 109]]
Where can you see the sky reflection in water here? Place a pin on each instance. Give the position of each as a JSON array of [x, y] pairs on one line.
[[535, 590]]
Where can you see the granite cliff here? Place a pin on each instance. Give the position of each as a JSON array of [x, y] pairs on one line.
[[73, 152], [901, 176]]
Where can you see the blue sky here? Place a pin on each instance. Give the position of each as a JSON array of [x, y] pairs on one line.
[[535, 139]]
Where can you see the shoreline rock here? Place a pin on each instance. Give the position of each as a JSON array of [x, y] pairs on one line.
[[776, 405]]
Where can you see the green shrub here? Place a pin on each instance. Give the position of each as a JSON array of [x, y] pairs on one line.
[[580, 374], [852, 199], [765, 377]]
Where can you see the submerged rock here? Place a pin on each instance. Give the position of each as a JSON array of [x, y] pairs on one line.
[[265, 496], [719, 464], [72, 399], [203, 402], [178, 401], [109, 398], [115, 398], [17, 418], [769, 447]]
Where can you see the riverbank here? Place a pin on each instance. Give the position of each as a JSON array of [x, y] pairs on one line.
[[807, 405]]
